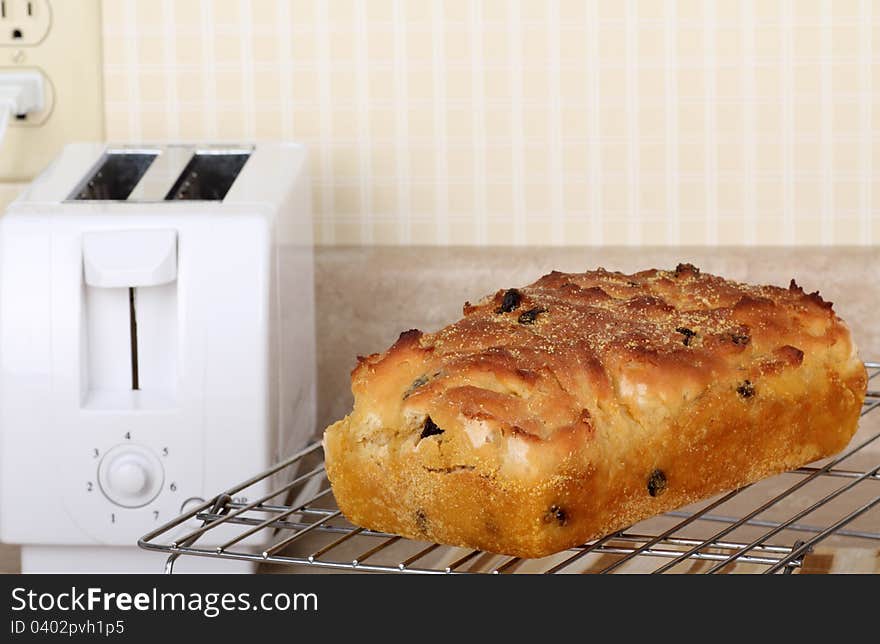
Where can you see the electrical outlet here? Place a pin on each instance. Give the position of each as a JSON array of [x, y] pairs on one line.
[[60, 39], [24, 22]]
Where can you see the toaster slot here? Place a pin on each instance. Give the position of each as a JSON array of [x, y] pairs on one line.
[[129, 344], [133, 337], [208, 175], [115, 176]]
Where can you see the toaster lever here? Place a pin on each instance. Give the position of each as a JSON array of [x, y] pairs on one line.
[[129, 258]]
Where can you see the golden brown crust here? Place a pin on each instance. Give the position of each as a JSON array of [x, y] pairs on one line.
[[571, 408]]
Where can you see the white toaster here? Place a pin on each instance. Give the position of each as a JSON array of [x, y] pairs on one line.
[[156, 341]]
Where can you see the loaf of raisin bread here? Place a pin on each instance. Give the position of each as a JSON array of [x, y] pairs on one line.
[[569, 409]]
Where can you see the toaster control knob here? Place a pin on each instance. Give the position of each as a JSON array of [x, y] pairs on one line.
[[130, 475]]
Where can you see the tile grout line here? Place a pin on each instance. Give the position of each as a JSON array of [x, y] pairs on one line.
[[209, 80], [285, 46], [169, 55], [133, 82], [595, 157], [750, 205], [479, 121], [557, 206], [866, 107], [634, 236], [401, 124], [514, 38], [246, 45], [730, 101], [501, 67], [325, 125], [499, 26], [787, 124], [826, 127], [614, 217], [710, 149], [441, 159], [670, 42], [363, 122]]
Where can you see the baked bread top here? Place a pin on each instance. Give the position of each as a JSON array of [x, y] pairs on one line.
[[549, 363]]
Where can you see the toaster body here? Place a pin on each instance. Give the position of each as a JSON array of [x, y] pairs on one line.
[[156, 338]]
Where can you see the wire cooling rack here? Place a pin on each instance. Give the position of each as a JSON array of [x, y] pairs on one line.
[[769, 527]]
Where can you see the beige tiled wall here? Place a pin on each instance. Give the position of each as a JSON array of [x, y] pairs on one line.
[[568, 122]]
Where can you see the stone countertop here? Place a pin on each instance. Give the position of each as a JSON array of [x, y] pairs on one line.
[[366, 296]]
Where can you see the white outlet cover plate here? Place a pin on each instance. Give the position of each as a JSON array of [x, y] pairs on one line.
[[68, 54]]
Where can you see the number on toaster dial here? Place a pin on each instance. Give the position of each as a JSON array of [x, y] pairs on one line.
[[128, 436], [156, 515], [95, 452], [173, 486], [112, 517], [89, 486], [164, 451]]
